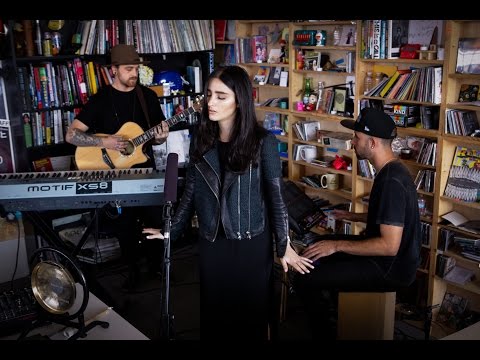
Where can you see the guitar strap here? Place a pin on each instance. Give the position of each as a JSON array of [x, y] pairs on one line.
[[143, 104]]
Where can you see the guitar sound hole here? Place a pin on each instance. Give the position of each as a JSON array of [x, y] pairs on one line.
[[129, 149]]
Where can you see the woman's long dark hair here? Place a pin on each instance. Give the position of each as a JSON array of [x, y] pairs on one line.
[[246, 133]]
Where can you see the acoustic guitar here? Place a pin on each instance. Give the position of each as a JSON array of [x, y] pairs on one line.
[[97, 158]]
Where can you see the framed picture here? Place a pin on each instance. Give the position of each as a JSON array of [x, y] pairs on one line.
[[312, 60], [468, 56], [347, 36], [340, 96], [397, 36]]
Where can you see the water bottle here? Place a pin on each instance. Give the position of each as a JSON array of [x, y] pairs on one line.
[[422, 208], [368, 82]]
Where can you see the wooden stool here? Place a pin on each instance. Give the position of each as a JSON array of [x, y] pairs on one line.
[[366, 315]]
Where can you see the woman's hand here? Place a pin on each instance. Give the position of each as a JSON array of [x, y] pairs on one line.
[[154, 233], [299, 263]]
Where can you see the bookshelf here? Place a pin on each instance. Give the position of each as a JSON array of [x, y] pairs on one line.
[[66, 89], [273, 29], [354, 187], [454, 31], [336, 53], [414, 101]]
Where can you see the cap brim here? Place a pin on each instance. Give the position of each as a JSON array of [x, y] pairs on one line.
[[350, 124]]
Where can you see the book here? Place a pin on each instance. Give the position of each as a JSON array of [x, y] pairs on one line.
[[259, 48], [460, 221], [43, 164], [284, 78], [220, 28]]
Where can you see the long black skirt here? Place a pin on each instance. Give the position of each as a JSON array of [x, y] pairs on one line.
[[236, 288]]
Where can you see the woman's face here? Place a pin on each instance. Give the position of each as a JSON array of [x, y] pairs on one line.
[[221, 102]]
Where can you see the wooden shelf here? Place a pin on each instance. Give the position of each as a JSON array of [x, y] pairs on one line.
[[361, 186]]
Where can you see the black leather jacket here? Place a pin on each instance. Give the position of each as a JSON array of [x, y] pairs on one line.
[[243, 206]]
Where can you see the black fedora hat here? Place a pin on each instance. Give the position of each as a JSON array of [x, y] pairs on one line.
[[125, 55]]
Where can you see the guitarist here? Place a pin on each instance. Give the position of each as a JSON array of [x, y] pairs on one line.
[[105, 112]]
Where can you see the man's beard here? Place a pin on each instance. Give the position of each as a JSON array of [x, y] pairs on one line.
[[130, 82]]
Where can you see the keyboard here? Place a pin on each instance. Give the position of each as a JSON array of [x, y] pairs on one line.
[[18, 308]]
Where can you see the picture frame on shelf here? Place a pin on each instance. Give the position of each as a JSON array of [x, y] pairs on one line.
[[312, 60], [274, 78], [468, 56], [347, 35], [397, 36], [339, 99]]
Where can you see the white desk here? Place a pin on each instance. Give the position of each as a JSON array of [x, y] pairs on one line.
[[471, 332], [119, 329]]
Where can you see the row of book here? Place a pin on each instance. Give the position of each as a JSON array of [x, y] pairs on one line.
[[405, 115], [306, 130], [48, 85], [467, 247], [461, 122], [271, 75], [393, 39], [177, 104], [424, 151], [425, 180], [416, 84], [148, 36], [366, 169], [47, 127], [251, 49]]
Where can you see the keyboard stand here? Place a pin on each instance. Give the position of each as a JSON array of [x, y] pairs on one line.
[[45, 230]]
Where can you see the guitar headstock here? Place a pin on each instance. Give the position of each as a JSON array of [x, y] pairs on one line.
[[198, 103]]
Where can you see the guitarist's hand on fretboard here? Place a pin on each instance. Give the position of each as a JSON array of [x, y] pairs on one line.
[[114, 142], [161, 133]]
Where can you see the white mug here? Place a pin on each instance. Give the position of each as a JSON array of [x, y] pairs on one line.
[[308, 153], [329, 181]]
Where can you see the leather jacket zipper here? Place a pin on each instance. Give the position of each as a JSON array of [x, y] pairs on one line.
[[249, 236], [239, 234], [216, 196]]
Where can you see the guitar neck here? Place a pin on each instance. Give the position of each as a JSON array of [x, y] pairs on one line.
[[150, 134]]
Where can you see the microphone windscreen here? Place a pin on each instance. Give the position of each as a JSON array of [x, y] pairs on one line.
[[171, 178]]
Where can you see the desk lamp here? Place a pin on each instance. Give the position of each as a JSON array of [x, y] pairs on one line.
[[54, 288]]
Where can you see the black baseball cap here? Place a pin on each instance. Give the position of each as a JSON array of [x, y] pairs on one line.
[[373, 122]]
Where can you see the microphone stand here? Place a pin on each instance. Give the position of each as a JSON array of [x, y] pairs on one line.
[[167, 317]]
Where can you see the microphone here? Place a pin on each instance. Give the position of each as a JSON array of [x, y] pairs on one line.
[[171, 178], [170, 196]]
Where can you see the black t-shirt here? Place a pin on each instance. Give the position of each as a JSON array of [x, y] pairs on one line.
[[393, 201], [109, 109]]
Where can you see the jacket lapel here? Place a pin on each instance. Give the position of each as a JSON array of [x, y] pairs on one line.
[[210, 169]]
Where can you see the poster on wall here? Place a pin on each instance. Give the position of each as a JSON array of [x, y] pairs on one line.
[[7, 160]]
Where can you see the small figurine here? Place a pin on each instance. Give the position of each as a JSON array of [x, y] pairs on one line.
[[312, 101], [283, 54]]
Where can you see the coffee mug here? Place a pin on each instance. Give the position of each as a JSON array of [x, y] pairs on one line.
[[329, 181], [308, 153]]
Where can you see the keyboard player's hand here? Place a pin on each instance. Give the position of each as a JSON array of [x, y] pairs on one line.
[[154, 233]]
